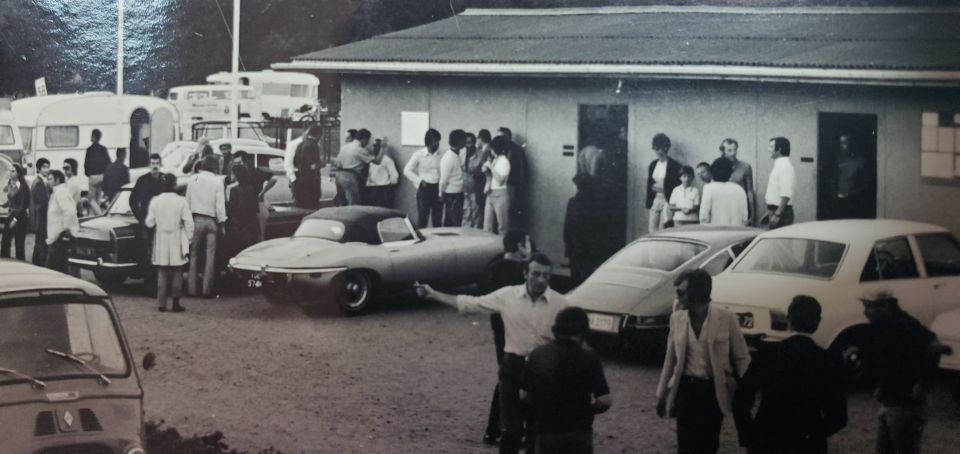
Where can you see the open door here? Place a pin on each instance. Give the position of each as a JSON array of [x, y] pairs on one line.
[[139, 138], [847, 166]]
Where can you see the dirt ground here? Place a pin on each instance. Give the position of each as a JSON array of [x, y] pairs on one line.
[[414, 377]]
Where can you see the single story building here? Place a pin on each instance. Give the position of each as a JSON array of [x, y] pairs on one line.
[[563, 79]]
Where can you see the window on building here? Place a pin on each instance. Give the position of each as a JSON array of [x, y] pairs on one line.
[[941, 254], [940, 148], [890, 259], [61, 136]]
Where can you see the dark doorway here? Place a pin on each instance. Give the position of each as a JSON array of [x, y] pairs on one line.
[[847, 166], [139, 138], [601, 209]]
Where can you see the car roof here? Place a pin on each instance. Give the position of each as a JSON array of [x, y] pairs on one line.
[[853, 230], [359, 221], [17, 276], [706, 233]]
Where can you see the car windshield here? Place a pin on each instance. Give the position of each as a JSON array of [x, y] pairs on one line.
[[320, 228], [804, 257], [120, 205], [663, 255], [84, 330]]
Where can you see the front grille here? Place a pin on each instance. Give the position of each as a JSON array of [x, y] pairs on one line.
[[77, 449], [89, 421], [44, 424]]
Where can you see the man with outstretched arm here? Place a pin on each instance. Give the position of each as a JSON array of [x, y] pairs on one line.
[[528, 313]]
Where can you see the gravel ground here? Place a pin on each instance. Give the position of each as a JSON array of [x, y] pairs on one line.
[[413, 377]]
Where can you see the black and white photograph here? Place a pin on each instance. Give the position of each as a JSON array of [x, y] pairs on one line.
[[479, 226]]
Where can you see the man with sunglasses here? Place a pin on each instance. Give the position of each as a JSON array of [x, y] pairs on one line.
[[706, 353]]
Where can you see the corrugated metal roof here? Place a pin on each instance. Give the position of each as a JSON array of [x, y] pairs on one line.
[[871, 39]]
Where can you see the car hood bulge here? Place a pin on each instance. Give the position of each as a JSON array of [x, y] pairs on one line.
[[642, 293], [296, 253]]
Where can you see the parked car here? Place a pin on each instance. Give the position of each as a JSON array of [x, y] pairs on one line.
[[631, 295], [67, 379], [836, 262], [111, 246], [947, 328], [352, 254]]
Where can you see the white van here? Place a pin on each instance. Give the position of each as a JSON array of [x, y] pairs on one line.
[[57, 127], [279, 94]]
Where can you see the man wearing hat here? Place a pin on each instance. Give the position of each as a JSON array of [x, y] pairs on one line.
[[906, 355]]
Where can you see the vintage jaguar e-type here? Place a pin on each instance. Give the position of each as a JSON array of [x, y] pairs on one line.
[[350, 255]]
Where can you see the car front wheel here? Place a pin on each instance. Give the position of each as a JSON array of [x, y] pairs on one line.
[[853, 352], [355, 292], [109, 278]]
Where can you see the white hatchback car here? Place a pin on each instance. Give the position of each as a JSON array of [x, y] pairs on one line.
[[836, 262]]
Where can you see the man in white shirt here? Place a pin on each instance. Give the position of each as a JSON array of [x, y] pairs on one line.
[[351, 165], [62, 222], [381, 182], [423, 170], [451, 180], [528, 313], [723, 202], [781, 186], [206, 199]]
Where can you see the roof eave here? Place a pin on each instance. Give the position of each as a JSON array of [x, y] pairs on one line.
[[899, 77]]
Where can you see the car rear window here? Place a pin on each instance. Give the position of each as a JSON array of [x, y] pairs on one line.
[[663, 255], [320, 228], [803, 257]]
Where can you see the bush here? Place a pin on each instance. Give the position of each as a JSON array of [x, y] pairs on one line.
[[167, 440]]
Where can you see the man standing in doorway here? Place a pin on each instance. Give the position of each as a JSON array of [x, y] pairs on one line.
[[451, 180], [742, 174], [116, 176], [853, 182], [423, 170], [801, 387], [517, 181], [145, 189], [205, 196], [528, 312], [781, 186], [62, 223], [39, 202], [94, 165]]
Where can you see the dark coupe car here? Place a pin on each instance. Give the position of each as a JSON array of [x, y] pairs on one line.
[[111, 247], [349, 255], [631, 295]]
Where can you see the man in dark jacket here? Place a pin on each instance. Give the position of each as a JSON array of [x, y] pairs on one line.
[[116, 175], [18, 204], [802, 391], [94, 165], [146, 188], [663, 175], [39, 202]]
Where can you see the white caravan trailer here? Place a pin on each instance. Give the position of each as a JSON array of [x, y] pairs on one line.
[[280, 94], [58, 127], [210, 103], [11, 144]]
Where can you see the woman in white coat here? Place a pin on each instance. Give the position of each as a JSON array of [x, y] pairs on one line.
[[171, 216]]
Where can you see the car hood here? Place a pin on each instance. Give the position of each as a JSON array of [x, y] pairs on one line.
[[298, 253], [99, 228], [632, 291]]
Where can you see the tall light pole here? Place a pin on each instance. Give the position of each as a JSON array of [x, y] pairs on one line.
[[234, 92], [119, 133]]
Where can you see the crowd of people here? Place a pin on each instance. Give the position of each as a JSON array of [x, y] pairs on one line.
[[551, 384]]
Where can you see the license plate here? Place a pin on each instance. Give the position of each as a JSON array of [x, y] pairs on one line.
[[746, 319], [85, 251], [606, 323], [254, 283]]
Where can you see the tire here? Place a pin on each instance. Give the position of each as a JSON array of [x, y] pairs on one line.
[[306, 118], [852, 349], [109, 278], [355, 292]]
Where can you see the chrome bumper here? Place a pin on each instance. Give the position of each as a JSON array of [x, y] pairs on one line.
[[99, 263]]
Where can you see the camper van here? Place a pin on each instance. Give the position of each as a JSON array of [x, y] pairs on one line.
[[210, 103], [58, 127], [279, 94], [11, 144]]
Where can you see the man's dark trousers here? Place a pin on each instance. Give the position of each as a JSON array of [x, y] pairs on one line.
[[17, 236], [699, 418], [512, 411], [453, 209], [429, 205], [493, 420], [40, 247], [58, 254], [785, 219]]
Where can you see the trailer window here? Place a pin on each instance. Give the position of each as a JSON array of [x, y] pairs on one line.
[[197, 95], [61, 136], [300, 91], [6, 135], [173, 96], [276, 89]]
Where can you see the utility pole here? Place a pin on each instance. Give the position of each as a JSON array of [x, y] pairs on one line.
[[234, 92], [119, 133]]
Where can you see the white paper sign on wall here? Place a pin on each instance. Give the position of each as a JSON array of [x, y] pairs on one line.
[[41, 86], [413, 125]]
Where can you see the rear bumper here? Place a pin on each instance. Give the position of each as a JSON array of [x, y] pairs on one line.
[[99, 263]]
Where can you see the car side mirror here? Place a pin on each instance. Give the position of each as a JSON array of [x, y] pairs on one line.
[[149, 360]]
